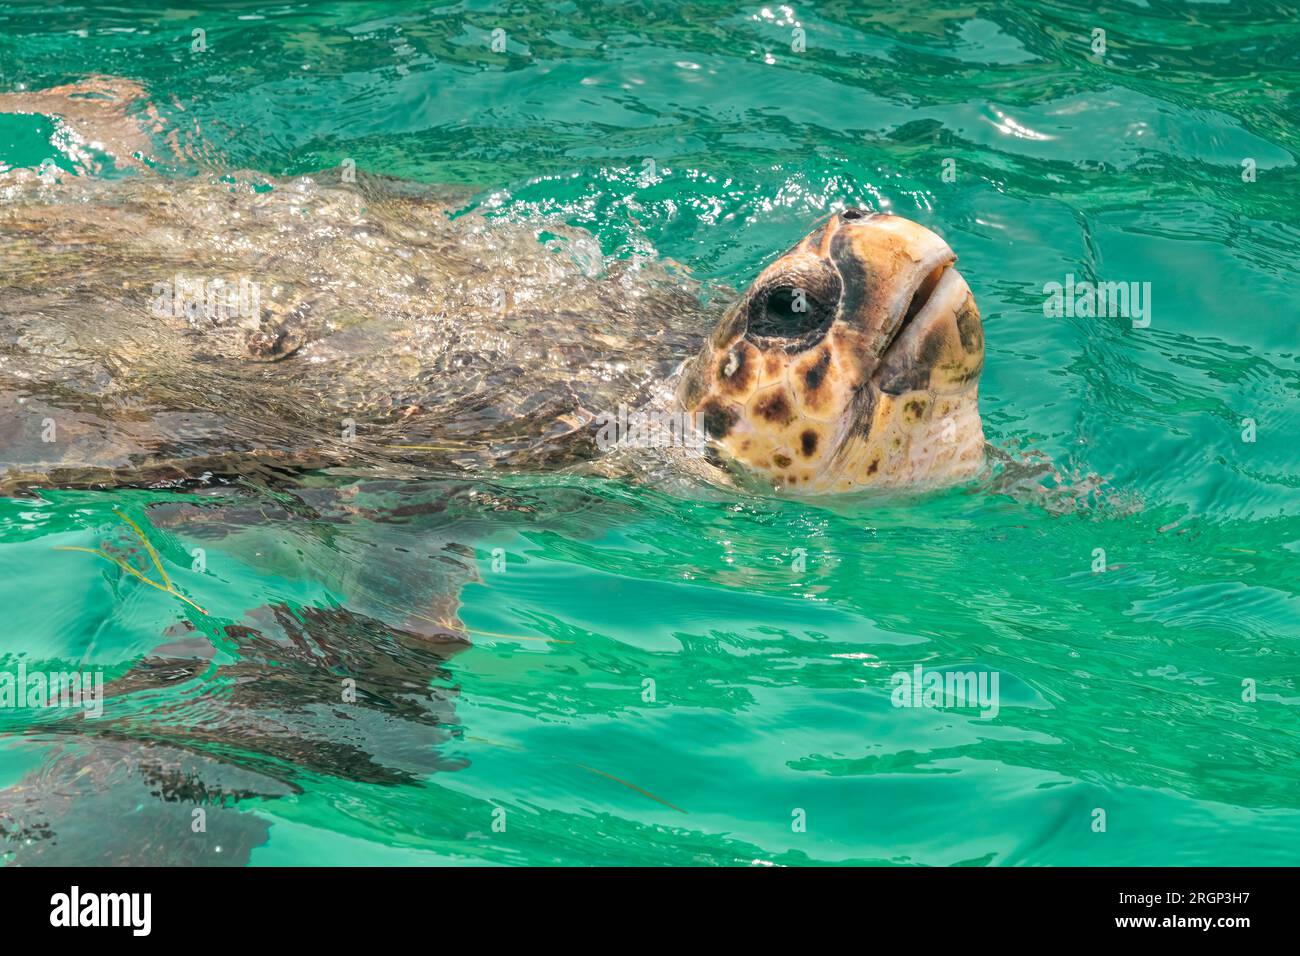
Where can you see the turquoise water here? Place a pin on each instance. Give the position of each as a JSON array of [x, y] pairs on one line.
[[659, 678]]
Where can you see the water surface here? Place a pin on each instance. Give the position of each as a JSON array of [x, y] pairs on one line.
[[657, 677]]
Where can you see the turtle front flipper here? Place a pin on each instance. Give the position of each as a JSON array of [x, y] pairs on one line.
[[111, 112], [349, 681], [108, 802], [114, 116]]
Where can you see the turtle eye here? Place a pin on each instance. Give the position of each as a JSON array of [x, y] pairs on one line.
[[795, 303], [786, 306], [789, 312]]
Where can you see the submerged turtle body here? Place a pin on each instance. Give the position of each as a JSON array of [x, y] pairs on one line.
[[164, 330]]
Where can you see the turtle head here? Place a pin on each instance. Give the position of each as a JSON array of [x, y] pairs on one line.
[[852, 361]]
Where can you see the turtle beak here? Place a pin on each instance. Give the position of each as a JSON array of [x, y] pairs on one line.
[[890, 267]]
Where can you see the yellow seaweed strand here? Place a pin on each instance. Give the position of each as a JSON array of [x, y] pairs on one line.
[[166, 586], [157, 562], [632, 786]]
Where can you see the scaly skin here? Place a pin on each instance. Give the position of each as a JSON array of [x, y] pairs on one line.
[[874, 384]]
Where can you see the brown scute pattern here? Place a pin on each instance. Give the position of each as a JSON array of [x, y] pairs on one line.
[[741, 380], [718, 418], [808, 443], [814, 375], [970, 328], [850, 351], [781, 461], [774, 407]]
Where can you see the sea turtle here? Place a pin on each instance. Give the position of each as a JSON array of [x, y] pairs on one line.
[[162, 328], [214, 331]]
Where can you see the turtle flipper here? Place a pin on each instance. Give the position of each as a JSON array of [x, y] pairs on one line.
[[314, 692], [354, 686], [112, 112], [107, 802], [114, 115]]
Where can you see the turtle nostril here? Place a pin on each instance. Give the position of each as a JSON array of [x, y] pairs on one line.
[[853, 213]]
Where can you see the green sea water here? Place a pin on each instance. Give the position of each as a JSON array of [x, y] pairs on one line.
[[666, 678]]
